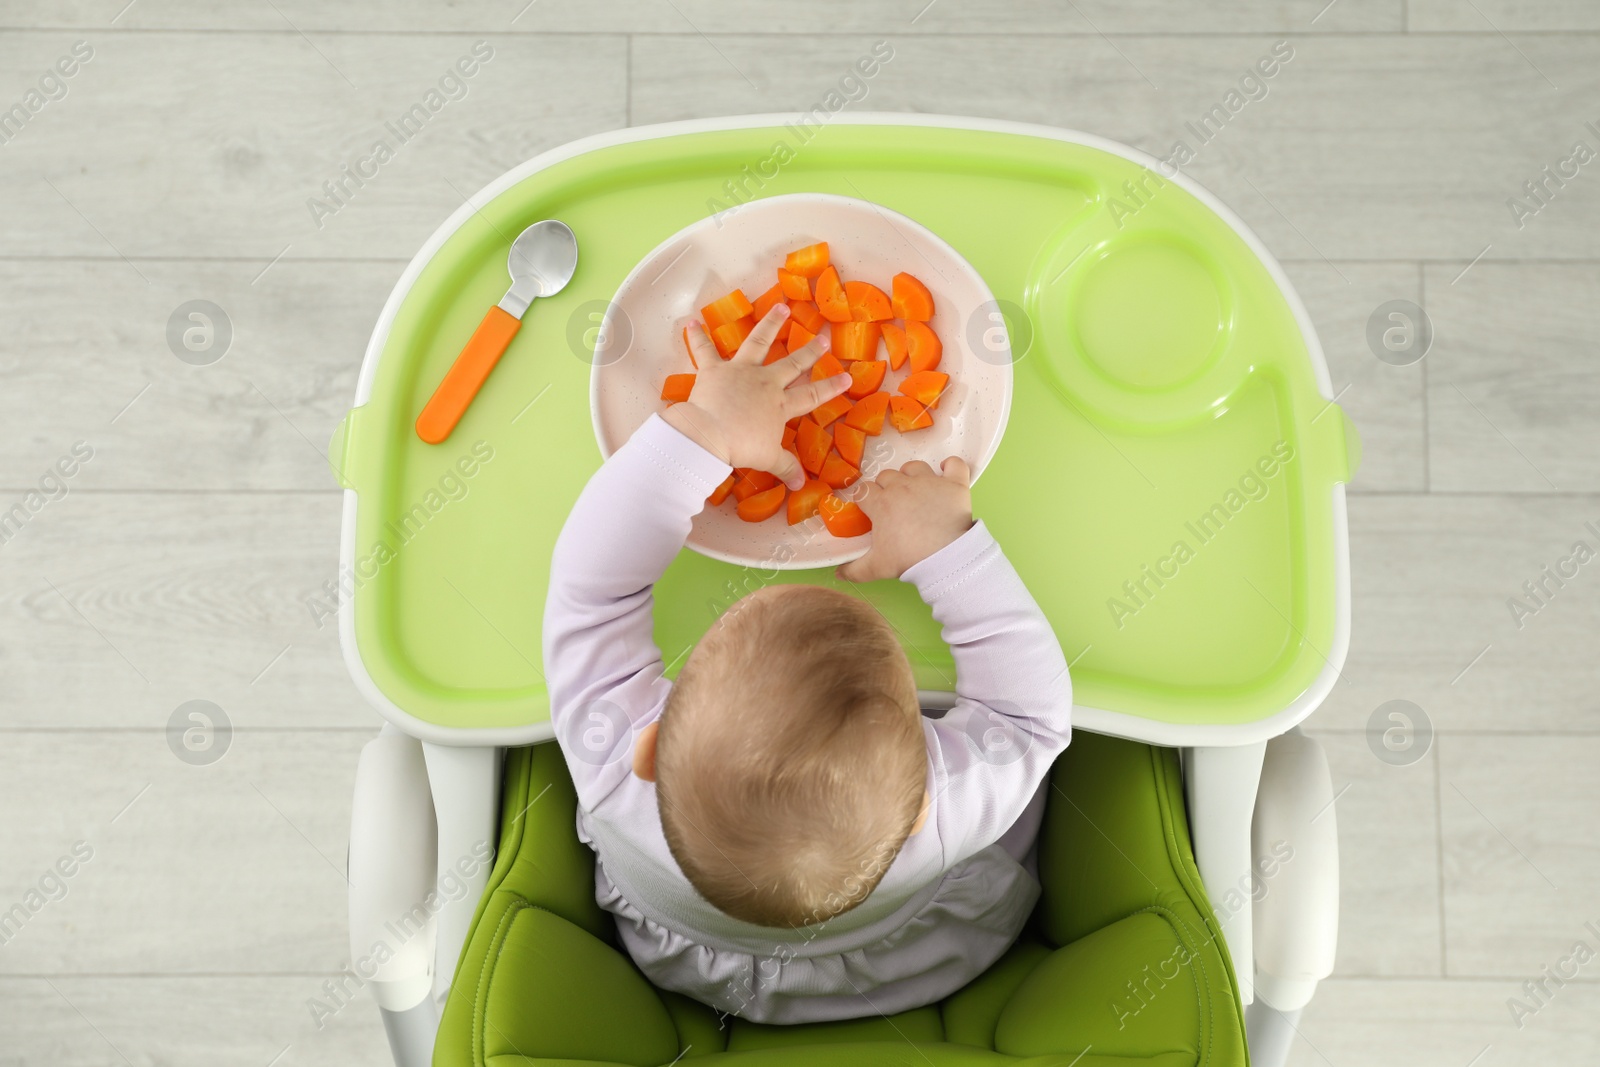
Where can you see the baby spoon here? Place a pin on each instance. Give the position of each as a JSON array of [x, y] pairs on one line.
[[541, 263]]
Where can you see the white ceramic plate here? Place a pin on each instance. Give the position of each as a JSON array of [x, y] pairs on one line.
[[640, 343]]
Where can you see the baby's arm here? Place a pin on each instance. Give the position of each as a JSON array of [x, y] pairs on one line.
[[603, 671], [1013, 708], [602, 668]]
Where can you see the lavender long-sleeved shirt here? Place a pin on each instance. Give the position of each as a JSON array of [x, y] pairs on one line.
[[959, 891]]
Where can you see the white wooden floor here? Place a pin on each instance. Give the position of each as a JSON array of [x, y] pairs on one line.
[[177, 166]]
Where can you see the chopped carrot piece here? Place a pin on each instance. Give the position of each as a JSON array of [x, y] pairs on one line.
[[912, 301], [763, 505], [799, 336], [829, 410], [726, 309], [855, 340], [837, 473], [922, 346], [813, 443], [894, 340], [808, 262], [826, 367], [788, 438], [831, 300], [925, 387], [907, 414], [842, 517], [720, 493], [866, 376], [765, 303], [677, 387], [803, 502], [794, 286], [851, 443], [775, 351], [692, 361], [783, 330], [747, 482], [730, 335], [867, 302], [806, 314], [868, 413]]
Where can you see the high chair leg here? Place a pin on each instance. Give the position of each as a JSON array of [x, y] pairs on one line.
[[1297, 857], [1269, 1033], [411, 1032], [1220, 787], [465, 784], [391, 874]]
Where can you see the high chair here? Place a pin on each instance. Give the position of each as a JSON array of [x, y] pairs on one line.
[[1170, 390]]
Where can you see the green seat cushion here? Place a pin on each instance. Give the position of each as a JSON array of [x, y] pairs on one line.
[[1122, 964], [921, 1025], [971, 1015], [551, 987], [1126, 990]]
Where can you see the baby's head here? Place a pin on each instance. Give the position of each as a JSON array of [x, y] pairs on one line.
[[790, 762]]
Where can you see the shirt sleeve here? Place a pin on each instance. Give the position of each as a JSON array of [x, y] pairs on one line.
[[603, 671], [1013, 709]]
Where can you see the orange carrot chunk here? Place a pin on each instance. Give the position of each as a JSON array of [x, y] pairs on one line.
[[789, 433], [866, 376], [799, 336], [826, 367], [855, 340], [842, 517], [747, 482], [868, 413], [720, 493], [765, 303], [813, 443], [829, 410], [894, 340], [763, 505], [677, 387], [803, 502], [925, 387], [806, 314], [837, 473], [867, 302], [794, 286], [831, 300], [851, 443], [730, 335], [922, 346], [907, 414], [808, 262], [726, 309], [912, 301], [775, 351]]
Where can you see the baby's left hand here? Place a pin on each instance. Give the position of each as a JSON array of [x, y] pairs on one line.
[[739, 406]]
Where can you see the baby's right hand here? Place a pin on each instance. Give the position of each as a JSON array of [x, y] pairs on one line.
[[915, 511], [739, 405]]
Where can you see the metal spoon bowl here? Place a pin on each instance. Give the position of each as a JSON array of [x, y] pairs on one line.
[[541, 263]]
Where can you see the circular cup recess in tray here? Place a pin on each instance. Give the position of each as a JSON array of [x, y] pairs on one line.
[[742, 249], [1140, 329]]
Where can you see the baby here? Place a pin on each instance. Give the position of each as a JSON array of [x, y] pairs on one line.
[[782, 834]]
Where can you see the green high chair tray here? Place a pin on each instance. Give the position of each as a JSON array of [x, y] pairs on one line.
[[1169, 483]]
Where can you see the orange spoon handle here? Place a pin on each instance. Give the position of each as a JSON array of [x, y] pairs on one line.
[[466, 375]]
